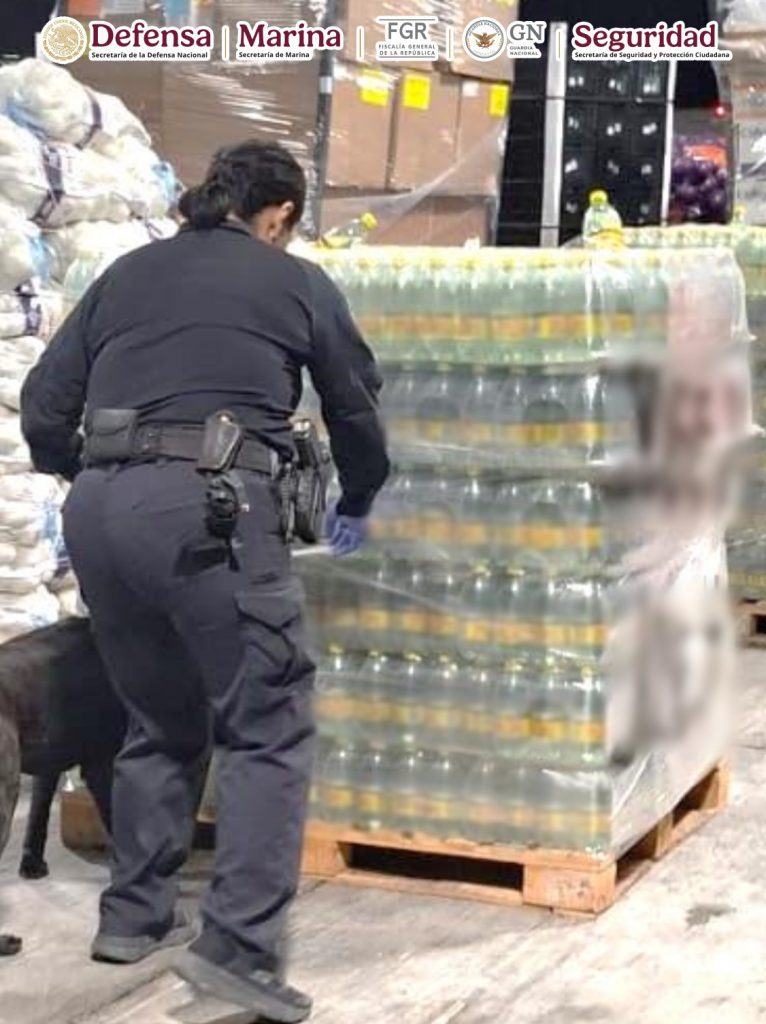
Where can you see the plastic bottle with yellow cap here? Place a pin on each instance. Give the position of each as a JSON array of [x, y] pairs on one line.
[[356, 232], [602, 225]]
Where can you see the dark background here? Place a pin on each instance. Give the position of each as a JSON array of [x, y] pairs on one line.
[[696, 84], [19, 21]]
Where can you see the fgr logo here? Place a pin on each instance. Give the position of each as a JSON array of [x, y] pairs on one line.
[[487, 39], [63, 40], [407, 39]]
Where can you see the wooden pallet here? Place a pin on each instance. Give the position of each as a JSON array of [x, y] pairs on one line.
[[751, 623], [561, 880]]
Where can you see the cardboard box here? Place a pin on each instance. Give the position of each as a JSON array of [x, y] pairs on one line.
[[221, 104], [438, 220], [502, 11], [83, 8], [361, 115], [425, 130], [481, 135]]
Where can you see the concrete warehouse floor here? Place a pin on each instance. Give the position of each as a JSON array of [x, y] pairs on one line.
[[686, 943]]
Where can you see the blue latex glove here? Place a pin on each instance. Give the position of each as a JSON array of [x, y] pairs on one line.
[[345, 534]]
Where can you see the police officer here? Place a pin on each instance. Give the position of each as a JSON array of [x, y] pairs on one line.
[[217, 319]]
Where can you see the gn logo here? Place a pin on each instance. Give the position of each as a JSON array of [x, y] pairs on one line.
[[487, 39]]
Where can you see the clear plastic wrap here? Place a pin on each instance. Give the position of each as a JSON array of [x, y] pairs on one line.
[[537, 648]]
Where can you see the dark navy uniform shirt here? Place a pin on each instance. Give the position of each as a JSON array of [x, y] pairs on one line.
[[205, 321]]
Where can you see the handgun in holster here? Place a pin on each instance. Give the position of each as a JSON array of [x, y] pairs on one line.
[[305, 484], [225, 497]]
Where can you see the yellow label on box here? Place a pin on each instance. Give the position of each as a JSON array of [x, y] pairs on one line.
[[416, 93], [374, 88], [499, 96]]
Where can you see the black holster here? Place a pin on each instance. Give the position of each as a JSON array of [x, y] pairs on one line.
[[304, 485], [225, 497]]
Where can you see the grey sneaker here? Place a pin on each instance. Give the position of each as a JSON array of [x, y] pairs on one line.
[[116, 949], [261, 992]]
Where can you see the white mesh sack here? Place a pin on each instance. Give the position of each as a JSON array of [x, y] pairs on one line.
[[22, 250], [51, 102], [60, 184], [30, 311], [102, 238]]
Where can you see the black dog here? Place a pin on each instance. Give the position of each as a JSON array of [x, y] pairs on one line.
[[57, 711]]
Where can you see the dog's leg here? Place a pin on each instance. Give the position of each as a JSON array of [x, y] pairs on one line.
[[33, 865], [98, 778]]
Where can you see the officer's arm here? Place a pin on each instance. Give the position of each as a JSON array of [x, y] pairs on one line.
[[348, 382], [53, 395]]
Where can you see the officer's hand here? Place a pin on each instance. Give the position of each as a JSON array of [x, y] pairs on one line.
[[345, 534]]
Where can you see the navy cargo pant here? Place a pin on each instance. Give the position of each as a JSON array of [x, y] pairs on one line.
[[196, 648]]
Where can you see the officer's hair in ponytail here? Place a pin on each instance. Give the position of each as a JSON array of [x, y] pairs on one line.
[[242, 181]]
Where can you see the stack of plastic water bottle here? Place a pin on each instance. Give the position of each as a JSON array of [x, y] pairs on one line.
[[537, 648], [79, 185]]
